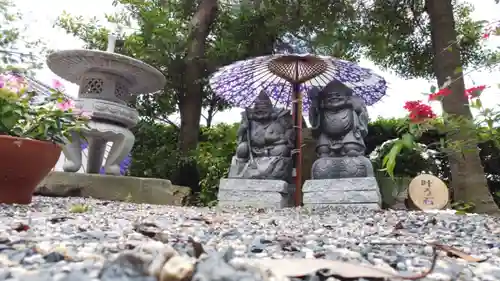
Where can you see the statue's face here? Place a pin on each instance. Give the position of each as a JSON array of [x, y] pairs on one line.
[[262, 112], [337, 97]]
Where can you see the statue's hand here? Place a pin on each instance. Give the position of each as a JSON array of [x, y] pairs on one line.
[[280, 141]]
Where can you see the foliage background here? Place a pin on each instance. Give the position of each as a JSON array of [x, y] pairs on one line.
[[155, 155]]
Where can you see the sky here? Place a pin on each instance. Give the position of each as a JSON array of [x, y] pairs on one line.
[[41, 15]]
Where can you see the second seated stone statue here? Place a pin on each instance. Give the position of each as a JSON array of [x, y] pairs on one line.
[[266, 138], [339, 123]]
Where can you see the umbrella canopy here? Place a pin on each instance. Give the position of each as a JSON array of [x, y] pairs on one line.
[[240, 83]]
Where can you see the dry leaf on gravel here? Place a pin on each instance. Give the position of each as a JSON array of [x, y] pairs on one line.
[[339, 270], [457, 253]]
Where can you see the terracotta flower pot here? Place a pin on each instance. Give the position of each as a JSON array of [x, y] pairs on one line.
[[24, 163]]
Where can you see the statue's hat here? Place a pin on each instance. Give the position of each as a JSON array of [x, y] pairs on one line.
[[263, 100]]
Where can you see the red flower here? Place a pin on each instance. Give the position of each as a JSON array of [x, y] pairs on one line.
[[474, 92], [419, 111], [441, 93]]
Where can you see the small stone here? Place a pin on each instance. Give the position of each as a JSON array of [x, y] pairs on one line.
[[257, 246], [126, 267], [261, 255], [401, 266], [33, 259], [277, 256], [177, 268], [4, 273], [428, 250], [54, 257], [319, 231]]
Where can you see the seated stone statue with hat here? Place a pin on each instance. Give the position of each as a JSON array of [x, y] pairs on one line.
[[265, 142], [266, 139]]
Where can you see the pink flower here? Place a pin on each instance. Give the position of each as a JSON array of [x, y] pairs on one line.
[[66, 105], [13, 83], [56, 84]]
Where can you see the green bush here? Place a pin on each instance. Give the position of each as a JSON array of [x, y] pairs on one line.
[[410, 162], [155, 155], [215, 150]]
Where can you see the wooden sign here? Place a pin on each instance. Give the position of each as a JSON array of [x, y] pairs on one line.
[[428, 192]]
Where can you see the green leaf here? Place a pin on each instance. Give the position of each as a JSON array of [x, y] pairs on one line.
[[389, 161], [478, 104], [408, 141], [458, 70], [433, 89]]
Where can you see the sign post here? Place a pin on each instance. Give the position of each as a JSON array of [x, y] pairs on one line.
[[428, 192]]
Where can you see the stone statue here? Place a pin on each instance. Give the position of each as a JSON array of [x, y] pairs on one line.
[[266, 139], [339, 123]]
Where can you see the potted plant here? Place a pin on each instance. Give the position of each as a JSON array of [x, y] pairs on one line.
[[421, 119], [411, 160], [31, 135]]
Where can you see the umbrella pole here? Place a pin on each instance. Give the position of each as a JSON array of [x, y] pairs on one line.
[[297, 114]]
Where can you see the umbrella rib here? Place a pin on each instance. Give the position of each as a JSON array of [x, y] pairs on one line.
[[280, 93], [255, 85], [325, 82], [249, 71], [273, 80], [253, 78]]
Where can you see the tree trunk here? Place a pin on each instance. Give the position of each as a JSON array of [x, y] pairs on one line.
[[190, 102], [211, 112], [468, 179]]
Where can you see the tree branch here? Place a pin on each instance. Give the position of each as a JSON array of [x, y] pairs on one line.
[[170, 122]]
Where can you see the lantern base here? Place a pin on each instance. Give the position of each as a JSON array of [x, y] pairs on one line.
[[114, 188], [346, 192]]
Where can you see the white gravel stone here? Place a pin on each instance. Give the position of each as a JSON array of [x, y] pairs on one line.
[[358, 236]]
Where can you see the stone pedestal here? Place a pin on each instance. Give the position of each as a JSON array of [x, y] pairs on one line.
[[346, 192], [253, 193]]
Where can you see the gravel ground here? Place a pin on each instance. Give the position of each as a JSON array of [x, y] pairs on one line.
[[50, 240]]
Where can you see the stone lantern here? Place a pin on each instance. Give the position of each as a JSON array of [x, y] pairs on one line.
[[107, 82]]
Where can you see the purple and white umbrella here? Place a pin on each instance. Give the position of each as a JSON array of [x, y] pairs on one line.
[[284, 77], [240, 83]]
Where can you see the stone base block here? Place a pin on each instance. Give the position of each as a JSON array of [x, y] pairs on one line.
[[348, 192], [253, 193], [115, 188]]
